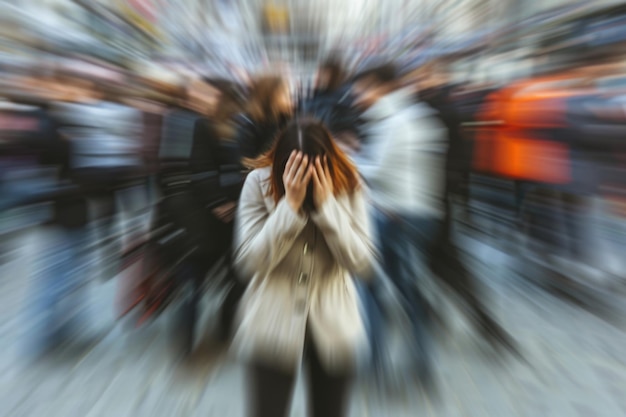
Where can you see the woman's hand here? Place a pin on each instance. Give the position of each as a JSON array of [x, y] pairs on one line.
[[296, 179], [322, 182]]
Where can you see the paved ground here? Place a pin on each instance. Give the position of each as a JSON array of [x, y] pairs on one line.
[[577, 364]]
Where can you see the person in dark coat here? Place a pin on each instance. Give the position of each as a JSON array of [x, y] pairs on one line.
[[332, 101]]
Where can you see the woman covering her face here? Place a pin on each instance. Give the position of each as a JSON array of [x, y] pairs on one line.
[[302, 233]]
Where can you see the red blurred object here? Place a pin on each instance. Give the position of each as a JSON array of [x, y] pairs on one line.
[[516, 139]]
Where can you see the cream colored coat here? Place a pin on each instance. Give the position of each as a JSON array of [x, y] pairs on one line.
[[300, 270]]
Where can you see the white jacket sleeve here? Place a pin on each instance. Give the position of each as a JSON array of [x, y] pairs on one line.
[[262, 239], [348, 232], [370, 161]]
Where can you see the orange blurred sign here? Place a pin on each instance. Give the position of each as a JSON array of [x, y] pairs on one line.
[[512, 148]]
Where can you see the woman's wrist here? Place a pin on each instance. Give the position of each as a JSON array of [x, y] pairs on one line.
[[294, 206]]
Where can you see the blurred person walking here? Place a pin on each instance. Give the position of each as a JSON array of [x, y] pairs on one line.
[[302, 233], [195, 211], [61, 268], [402, 160], [456, 104]]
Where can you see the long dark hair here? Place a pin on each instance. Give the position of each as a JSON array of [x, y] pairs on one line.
[[313, 139]]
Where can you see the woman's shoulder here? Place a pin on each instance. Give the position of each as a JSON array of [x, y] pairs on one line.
[[259, 174]]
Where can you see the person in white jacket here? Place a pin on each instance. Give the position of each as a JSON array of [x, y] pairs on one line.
[[402, 161], [302, 234]]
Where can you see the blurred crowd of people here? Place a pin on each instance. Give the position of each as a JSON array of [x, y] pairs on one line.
[[144, 181], [145, 189]]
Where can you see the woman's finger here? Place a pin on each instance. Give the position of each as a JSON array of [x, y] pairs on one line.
[[302, 169], [320, 171], [317, 181], [326, 169], [294, 166], [315, 167], [307, 175], [289, 167], [290, 162]]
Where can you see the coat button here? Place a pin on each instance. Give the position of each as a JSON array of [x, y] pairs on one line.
[[303, 278], [300, 306]]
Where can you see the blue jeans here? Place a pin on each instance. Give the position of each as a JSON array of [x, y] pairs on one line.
[[61, 273], [403, 243]]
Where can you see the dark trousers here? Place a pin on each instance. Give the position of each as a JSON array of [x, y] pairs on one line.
[[271, 390]]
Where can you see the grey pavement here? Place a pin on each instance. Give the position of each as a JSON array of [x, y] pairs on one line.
[[576, 362]]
